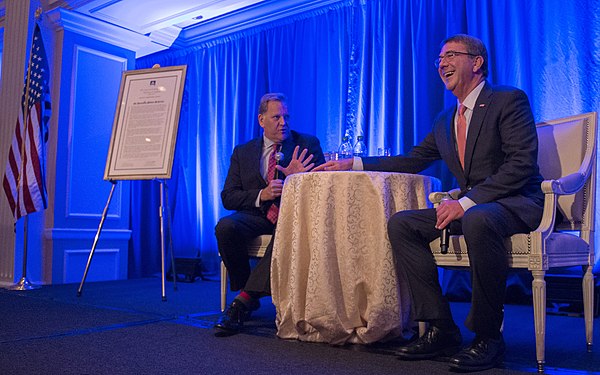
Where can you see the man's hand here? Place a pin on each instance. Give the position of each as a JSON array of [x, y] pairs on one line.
[[448, 211], [272, 191], [298, 163], [336, 165]]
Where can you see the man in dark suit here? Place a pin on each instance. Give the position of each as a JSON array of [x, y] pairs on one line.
[[253, 189], [496, 170]]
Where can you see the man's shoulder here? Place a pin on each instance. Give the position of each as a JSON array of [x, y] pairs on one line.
[[506, 90], [251, 143], [502, 97]]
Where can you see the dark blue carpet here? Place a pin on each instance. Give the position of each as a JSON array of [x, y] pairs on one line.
[[123, 327]]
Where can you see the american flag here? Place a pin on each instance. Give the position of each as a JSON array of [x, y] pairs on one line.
[[24, 179]]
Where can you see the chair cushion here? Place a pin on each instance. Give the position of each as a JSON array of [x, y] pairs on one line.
[[558, 244], [566, 242]]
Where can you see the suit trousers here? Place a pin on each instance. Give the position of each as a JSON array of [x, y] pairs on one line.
[[485, 227], [233, 234]]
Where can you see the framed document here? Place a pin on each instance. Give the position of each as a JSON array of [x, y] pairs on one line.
[[142, 144]]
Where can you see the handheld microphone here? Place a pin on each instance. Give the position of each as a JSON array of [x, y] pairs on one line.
[[444, 240], [278, 158], [445, 234]]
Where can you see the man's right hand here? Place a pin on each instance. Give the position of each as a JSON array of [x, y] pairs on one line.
[[272, 191], [448, 211], [336, 165], [298, 164]]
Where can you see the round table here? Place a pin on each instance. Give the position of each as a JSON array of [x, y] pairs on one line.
[[332, 274]]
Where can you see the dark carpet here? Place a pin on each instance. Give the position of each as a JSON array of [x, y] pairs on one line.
[[124, 327]]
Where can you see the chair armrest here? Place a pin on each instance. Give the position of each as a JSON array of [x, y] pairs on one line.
[[437, 196], [565, 185]]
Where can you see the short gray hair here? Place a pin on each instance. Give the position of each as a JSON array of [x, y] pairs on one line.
[[474, 46], [270, 97]]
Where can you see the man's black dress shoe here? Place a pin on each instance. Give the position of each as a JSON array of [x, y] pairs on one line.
[[236, 314], [434, 343], [483, 353]]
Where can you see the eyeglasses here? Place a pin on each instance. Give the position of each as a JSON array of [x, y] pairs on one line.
[[449, 56]]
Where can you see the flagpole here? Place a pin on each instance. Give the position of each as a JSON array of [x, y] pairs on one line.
[[24, 283]]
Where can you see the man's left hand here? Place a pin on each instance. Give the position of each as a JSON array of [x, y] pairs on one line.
[[298, 163], [448, 211]]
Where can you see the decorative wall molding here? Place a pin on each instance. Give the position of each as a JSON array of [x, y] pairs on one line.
[[247, 18], [106, 265], [80, 103], [83, 25], [86, 234]]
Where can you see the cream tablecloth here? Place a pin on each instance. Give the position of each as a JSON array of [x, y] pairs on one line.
[[332, 275]]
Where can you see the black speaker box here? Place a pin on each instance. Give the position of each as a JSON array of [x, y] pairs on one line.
[[187, 270], [564, 295]]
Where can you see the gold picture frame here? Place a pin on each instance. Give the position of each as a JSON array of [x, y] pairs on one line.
[[142, 144]]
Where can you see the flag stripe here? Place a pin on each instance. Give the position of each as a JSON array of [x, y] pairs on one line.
[[7, 188], [35, 167]]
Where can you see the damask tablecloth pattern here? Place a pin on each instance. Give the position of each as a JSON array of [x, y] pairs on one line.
[[333, 278]]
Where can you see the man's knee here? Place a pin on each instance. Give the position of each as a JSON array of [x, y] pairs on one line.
[[399, 224], [225, 228], [403, 230], [477, 221]]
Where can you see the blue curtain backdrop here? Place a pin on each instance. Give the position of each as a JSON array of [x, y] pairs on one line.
[[355, 67]]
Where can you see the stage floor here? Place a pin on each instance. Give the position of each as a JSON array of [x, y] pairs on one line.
[[124, 327]]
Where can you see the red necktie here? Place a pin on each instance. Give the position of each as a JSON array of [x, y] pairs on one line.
[[461, 134], [273, 211]]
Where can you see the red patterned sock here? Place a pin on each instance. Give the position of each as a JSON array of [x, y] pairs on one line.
[[244, 298]]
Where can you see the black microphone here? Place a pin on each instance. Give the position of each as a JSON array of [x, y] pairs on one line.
[[278, 158], [445, 235], [444, 240]]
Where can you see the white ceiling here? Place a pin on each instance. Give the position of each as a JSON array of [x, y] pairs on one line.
[[154, 25], [181, 23], [160, 20], [147, 16]]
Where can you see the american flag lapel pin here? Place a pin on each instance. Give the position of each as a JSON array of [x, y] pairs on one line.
[[481, 105]]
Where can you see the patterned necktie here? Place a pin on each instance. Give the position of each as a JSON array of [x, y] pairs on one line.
[[273, 211], [461, 134]]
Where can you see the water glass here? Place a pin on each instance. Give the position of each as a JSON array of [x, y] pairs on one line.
[[331, 155]]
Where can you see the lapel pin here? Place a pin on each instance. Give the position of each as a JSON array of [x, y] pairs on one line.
[[481, 105]]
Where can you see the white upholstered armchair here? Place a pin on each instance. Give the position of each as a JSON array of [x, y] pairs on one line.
[[567, 160]]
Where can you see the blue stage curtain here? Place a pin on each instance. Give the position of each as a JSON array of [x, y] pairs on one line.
[[354, 67]]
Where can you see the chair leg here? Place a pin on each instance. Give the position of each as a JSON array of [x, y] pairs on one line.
[[223, 286], [588, 305], [538, 287]]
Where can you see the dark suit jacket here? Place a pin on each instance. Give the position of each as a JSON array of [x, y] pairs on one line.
[[500, 154], [244, 180]]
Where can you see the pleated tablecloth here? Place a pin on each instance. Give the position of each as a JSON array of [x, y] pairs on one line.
[[333, 278]]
